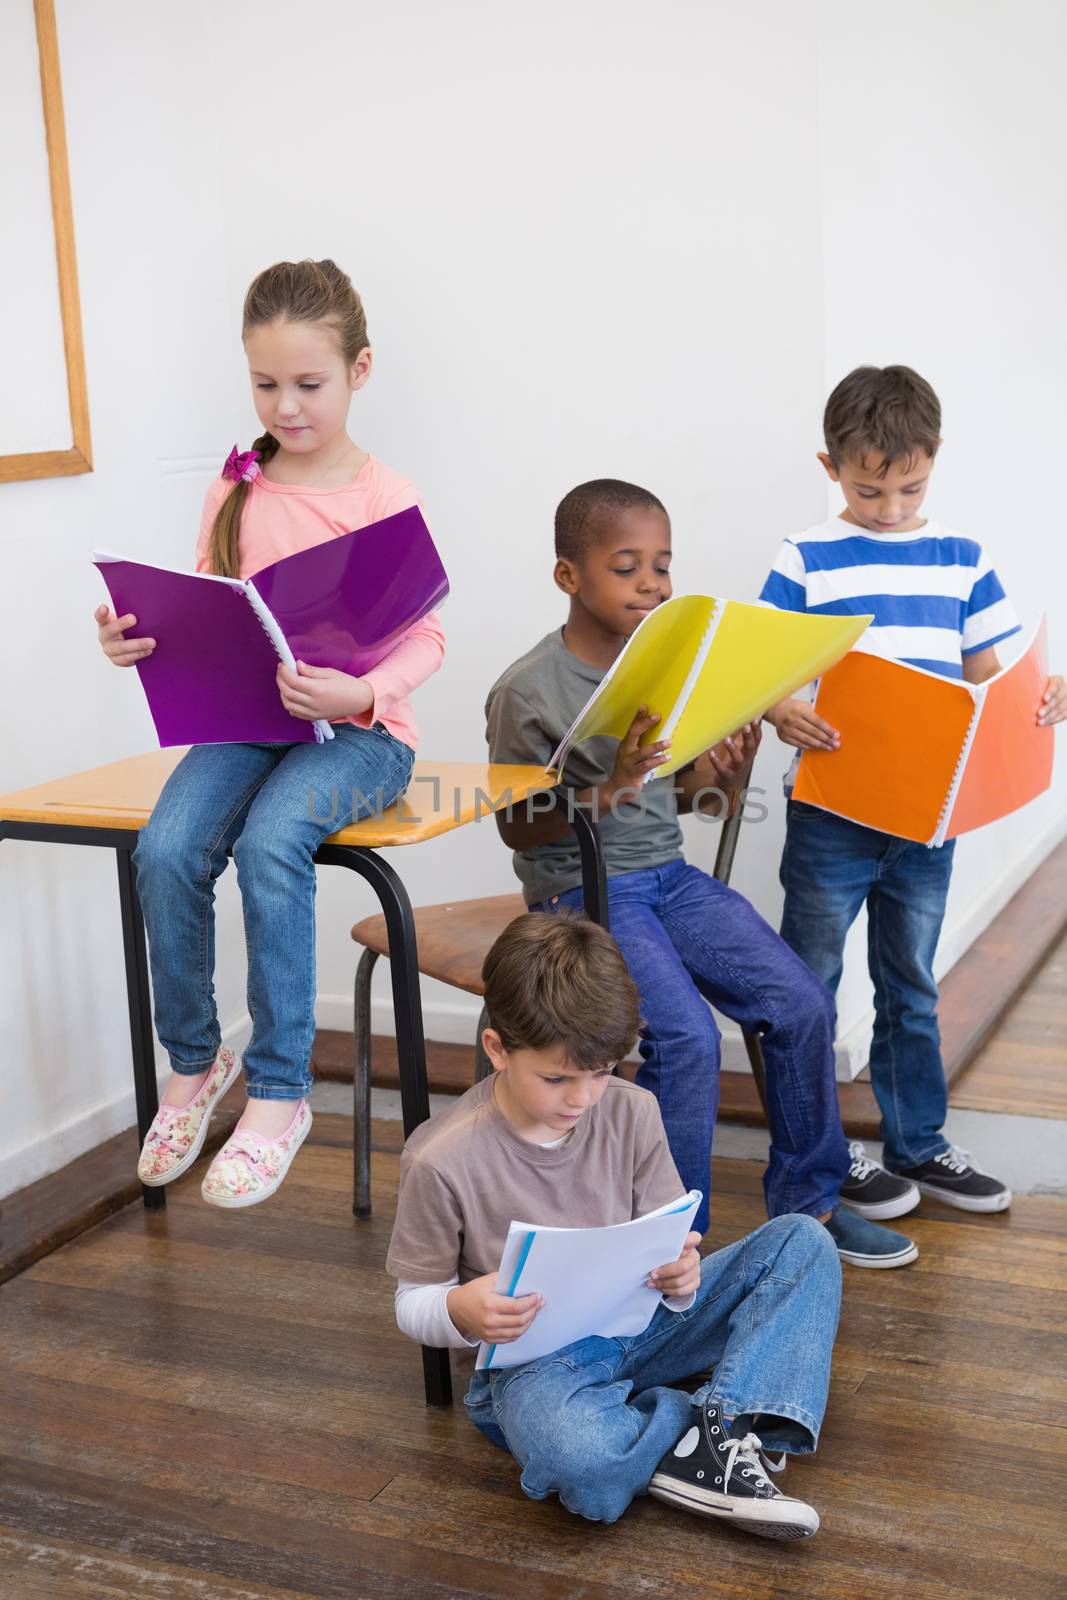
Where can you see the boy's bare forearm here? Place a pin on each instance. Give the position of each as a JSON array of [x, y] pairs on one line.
[[980, 665]]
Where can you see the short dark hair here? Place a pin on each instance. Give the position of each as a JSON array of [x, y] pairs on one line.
[[561, 981], [890, 411], [581, 514]]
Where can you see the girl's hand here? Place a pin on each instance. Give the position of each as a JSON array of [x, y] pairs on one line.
[[682, 1277], [321, 693], [109, 630], [796, 724], [1053, 707], [480, 1313], [732, 759]]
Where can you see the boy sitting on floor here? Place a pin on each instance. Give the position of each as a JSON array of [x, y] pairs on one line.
[[555, 1137]]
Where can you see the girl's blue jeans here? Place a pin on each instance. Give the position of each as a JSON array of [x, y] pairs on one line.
[[686, 935], [592, 1421], [830, 867], [273, 805]]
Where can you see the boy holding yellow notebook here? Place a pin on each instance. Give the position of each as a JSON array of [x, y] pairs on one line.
[[686, 937], [937, 604]]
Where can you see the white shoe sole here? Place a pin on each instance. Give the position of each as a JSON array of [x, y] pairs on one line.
[[770, 1519], [968, 1202], [198, 1143], [901, 1259], [885, 1210], [236, 1201]]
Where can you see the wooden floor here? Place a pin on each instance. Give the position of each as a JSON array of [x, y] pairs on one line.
[[1023, 1068], [204, 1404]]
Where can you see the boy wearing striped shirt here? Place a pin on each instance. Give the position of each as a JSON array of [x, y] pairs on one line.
[[938, 604]]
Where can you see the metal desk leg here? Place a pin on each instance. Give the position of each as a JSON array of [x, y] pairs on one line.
[[410, 1043], [138, 998], [138, 994]]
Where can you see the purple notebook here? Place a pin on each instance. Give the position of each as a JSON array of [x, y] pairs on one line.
[[343, 604]]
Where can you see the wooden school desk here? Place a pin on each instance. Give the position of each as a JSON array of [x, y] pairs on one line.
[[109, 805]]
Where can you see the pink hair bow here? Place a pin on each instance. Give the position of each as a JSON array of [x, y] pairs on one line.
[[241, 466]]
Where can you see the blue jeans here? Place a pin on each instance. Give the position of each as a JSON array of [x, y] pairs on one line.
[[272, 804], [685, 935], [829, 868], [592, 1422]]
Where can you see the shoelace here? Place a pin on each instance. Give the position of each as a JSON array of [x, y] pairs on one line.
[[746, 1450], [956, 1160], [862, 1165]]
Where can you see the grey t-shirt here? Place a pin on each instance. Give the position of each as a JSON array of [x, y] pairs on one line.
[[529, 709]]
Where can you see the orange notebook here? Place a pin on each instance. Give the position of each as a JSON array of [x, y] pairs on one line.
[[926, 757]]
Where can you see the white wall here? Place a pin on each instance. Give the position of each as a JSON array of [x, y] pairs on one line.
[[944, 235], [589, 244]]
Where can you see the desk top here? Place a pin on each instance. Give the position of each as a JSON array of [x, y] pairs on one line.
[[442, 795]]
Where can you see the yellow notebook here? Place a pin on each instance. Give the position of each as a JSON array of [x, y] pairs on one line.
[[708, 666]]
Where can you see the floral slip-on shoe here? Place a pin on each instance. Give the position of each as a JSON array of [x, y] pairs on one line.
[[177, 1134], [249, 1168]]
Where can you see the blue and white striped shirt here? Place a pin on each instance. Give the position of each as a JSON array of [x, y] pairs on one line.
[[934, 596]]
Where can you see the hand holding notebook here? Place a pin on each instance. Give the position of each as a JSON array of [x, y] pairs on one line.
[[706, 667], [342, 604], [591, 1280], [926, 757]]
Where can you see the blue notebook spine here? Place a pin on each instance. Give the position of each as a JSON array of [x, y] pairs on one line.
[[516, 1275]]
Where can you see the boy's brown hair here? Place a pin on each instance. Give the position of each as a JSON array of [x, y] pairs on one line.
[[561, 982], [886, 411]]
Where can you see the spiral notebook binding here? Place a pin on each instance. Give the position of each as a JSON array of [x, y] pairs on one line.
[[703, 650], [944, 816], [270, 627]]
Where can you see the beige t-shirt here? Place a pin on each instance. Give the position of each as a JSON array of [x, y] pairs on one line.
[[467, 1175]]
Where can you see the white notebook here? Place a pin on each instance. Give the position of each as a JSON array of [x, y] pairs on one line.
[[592, 1279]]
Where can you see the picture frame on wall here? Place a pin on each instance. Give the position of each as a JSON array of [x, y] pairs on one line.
[[44, 404]]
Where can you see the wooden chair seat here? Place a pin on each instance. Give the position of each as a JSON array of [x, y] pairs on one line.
[[452, 939]]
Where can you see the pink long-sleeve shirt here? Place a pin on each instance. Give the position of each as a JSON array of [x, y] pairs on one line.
[[281, 518]]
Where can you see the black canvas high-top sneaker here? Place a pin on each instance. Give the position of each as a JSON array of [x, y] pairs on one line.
[[715, 1475]]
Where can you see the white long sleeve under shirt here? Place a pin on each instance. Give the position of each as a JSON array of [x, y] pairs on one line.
[[422, 1313]]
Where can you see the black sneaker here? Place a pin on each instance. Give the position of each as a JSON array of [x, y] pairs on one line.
[[715, 1475], [953, 1178], [872, 1191]]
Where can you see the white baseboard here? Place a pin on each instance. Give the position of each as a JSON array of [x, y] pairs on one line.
[[453, 1021], [83, 1133]]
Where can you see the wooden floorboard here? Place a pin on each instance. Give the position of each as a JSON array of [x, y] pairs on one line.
[[1023, 1067], [48, 1213], [217, 1406]]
